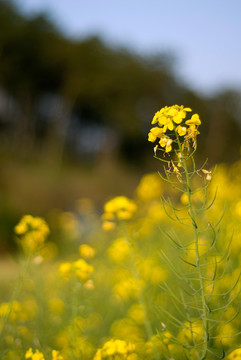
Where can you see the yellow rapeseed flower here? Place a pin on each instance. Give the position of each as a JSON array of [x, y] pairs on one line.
[[87, 251], [120, 208], [171, 118], [166, 142], [32, 231], [181, 130], [155, 133], [117, 347], [108, 225], [66, 270], [150, 187], [82, 270], [120, 203], [119, 251], [56, 355], [195, 120], [235, 355], [37, 355], [192, 133], [169, 115], [79, 268]]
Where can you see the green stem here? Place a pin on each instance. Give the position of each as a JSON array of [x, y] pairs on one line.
[[195, 233]]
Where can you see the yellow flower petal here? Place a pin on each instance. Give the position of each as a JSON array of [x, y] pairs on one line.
[[195, 120]]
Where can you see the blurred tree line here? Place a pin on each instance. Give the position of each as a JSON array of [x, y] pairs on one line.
[[81, 98]]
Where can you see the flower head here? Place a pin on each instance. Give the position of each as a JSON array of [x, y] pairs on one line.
[[37, 355], [166, 142], [170, 115], [120, 208], [33, 232], [119, 348], [171, 119], [155, 133]]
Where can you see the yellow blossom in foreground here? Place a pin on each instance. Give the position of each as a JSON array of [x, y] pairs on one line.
[[56, 355], [37, 355], [115, 347], [235, 355]]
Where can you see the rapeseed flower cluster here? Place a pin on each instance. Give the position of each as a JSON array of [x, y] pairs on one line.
[[116, 349], [118, 208], [17, 311], [37, 355], [87, 251], [79, 268], [32, 231], [172, 119]]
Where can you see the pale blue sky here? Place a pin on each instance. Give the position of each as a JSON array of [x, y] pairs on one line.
[[205, 35]]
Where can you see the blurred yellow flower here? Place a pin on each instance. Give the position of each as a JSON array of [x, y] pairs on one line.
[[235, 355], [108, 225], [86, 251], [56, 355], [150, 187], [120, 203], [120, 208], [66, 270], [56, 305], [119, 251], [192, 331], [33, 232], [82, 269]]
